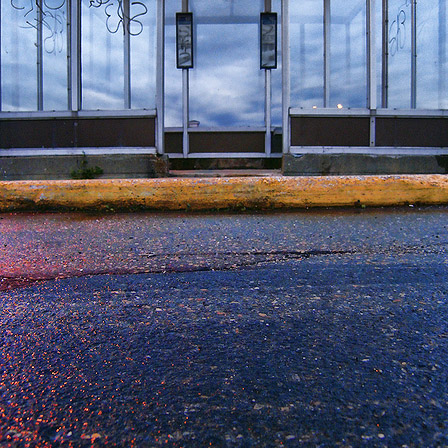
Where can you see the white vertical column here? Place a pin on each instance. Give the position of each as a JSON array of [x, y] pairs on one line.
[[127, 54], [414, 54], [371, 68], [39, 57], [327, 54], [185, 112], [371, 54], [74, 48], [185, 100], [443, 104], [268, 98], [160, 100], [0, 59], [286, 79], [385, 55]]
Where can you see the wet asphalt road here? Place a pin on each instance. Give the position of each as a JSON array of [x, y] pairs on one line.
[[322, 328]]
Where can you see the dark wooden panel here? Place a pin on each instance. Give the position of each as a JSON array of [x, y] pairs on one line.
[[173, 142], [421, 132], [62, 133], [26, 134], [227, 142], [115, 132], [330, 131]]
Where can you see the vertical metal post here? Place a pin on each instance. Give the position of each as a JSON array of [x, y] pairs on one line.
[[127, 54], [372, 128], [302, 57], [371, 68], [268, 97], [267, 5], [385, 55], [286, 79], [348, 65], [185, 100], [371, 54], [69, 58], [443, 104], [414, 54], [327, 49], [0, 59], [160, 100], [185, 112], [75, 99], [39, 57]]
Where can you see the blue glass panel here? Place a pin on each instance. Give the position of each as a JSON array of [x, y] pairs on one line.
[[432, 54], [227, 85], [307, 57], [348, 62], [173, 76], [18, 55], [102, 55], [400, 48], [143, 56], [54, 54]]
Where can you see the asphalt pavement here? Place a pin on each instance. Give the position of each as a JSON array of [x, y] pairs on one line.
[[324, 328]]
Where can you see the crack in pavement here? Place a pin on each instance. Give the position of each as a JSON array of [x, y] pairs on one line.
[[238, 260]]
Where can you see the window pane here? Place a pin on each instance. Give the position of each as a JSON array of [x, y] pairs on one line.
[[307, 54], [348, 62], [54, 54], [227, 85], [18, 55], [379, 52], [400, 48], [431, 51], [102, 55], [276, 75], [143, 33], [173, 76]]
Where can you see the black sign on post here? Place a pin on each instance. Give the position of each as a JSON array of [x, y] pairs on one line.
[[184, 39], [268, 40]]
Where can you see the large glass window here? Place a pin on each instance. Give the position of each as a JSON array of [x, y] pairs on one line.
[[422, 84], [118, 57], [400, 54], [118, 46], [173, 76], [431, 54], [227, 85], [307, 57], [344, 34], [19, 73], [143, 47], [33, 55], [54, 52], [102, 56], [276, 75], [348, 60], [118, 54]]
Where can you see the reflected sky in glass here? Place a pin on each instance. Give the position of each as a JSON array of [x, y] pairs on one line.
[[226, 84]]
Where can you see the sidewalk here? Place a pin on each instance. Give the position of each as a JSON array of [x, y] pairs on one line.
[[217, 193]]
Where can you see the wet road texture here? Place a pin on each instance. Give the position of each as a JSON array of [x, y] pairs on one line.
[[314, 329]]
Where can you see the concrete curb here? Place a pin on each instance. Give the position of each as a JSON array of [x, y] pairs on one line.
[[224, 193]]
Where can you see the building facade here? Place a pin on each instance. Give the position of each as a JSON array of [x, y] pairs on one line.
[[224, 78]]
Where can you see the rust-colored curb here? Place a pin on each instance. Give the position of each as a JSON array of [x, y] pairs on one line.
[[223, 193]]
